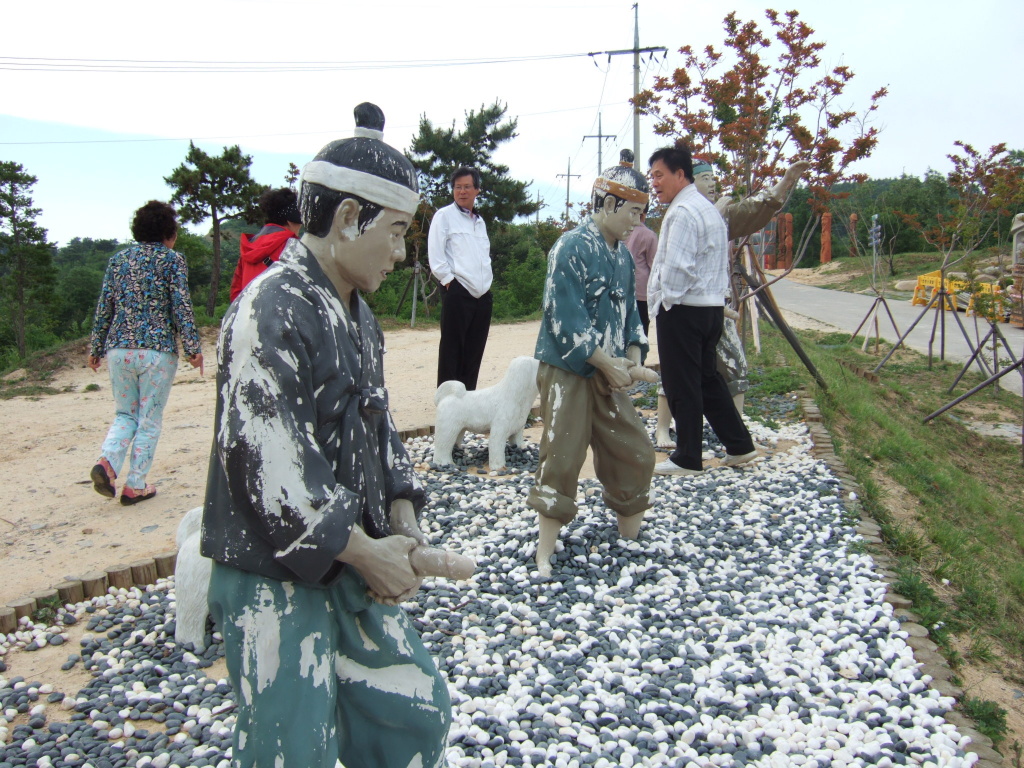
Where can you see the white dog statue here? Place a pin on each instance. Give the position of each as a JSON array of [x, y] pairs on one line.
[[500, 410], [191, 582]]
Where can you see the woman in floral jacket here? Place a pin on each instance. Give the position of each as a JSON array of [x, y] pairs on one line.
[[143, 307]]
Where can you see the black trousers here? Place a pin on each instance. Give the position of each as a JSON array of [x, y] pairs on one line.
[[645, 321], [687, 337], [465, 322]]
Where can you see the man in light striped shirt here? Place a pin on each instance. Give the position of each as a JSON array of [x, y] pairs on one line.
[[686, 297]]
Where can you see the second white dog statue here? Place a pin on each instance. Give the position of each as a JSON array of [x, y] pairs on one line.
[[191, 582], [500, 410]]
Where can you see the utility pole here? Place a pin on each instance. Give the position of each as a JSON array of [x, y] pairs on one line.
[[568, 177], [600, 137], [636, 50]]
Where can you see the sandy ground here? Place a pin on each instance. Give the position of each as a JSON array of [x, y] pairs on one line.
[[55, 527]]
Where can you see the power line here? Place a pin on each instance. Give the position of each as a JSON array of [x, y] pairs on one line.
[[331, 131], [636, 50], [171, 66]]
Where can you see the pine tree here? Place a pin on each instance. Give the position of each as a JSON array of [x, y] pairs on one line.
[[215, 188], [437, 152], [27, 277], [291, 178]]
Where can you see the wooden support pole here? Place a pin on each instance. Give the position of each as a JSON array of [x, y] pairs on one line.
[[826, 238]]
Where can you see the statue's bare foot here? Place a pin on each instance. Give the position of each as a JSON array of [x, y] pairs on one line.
[[549, 528], [663, 439], [629, 527]]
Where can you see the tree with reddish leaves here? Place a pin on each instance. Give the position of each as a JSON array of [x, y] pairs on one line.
[[763, 102], [986, 187]]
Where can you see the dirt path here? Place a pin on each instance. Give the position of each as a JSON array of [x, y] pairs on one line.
[[54, 526]]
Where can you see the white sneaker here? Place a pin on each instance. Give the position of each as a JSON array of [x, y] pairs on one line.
[[669, 467], [735, 461]]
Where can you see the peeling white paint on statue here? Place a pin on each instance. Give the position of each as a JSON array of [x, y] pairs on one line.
[[262, 640], [405, 680], [395, 629], [311, 664], [368, 644]]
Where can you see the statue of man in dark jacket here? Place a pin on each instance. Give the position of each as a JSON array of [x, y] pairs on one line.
[[312, 502]]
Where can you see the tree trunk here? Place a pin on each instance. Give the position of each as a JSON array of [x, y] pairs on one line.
[[18, 274], [211, 300]]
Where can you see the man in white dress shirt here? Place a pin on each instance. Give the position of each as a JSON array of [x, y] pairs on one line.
[[460, 258], [686, 298]]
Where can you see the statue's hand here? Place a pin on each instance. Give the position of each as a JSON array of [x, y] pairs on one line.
[[384, 564], [640, 373], [614, 369], [404, 522]]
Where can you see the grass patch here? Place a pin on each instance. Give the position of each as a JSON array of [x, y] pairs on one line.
[[854, 274], [31, 391], [648, 401], [46, 610], [989, 717], [766, 381], [947, 499]]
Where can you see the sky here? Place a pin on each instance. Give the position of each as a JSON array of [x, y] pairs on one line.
[[100, 142]]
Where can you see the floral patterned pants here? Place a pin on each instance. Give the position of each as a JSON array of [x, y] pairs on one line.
[[141, 382]]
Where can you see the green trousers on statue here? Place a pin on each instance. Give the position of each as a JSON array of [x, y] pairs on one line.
[[323, 675]]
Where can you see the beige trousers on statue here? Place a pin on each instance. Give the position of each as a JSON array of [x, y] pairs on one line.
[[579, 412]]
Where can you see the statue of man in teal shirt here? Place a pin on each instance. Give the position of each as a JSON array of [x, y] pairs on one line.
[[590, 337]]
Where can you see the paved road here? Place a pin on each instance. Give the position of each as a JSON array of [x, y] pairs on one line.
[[845, 311]]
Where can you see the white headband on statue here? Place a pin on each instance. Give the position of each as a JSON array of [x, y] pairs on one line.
[[367, 186]]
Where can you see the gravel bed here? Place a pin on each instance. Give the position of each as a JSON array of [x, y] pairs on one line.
[[744, 628]]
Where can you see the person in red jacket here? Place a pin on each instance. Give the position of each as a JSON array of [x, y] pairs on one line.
[[281, 210]]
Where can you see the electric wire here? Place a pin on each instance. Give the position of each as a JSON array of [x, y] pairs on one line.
[[331, 131], [170, 66]]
